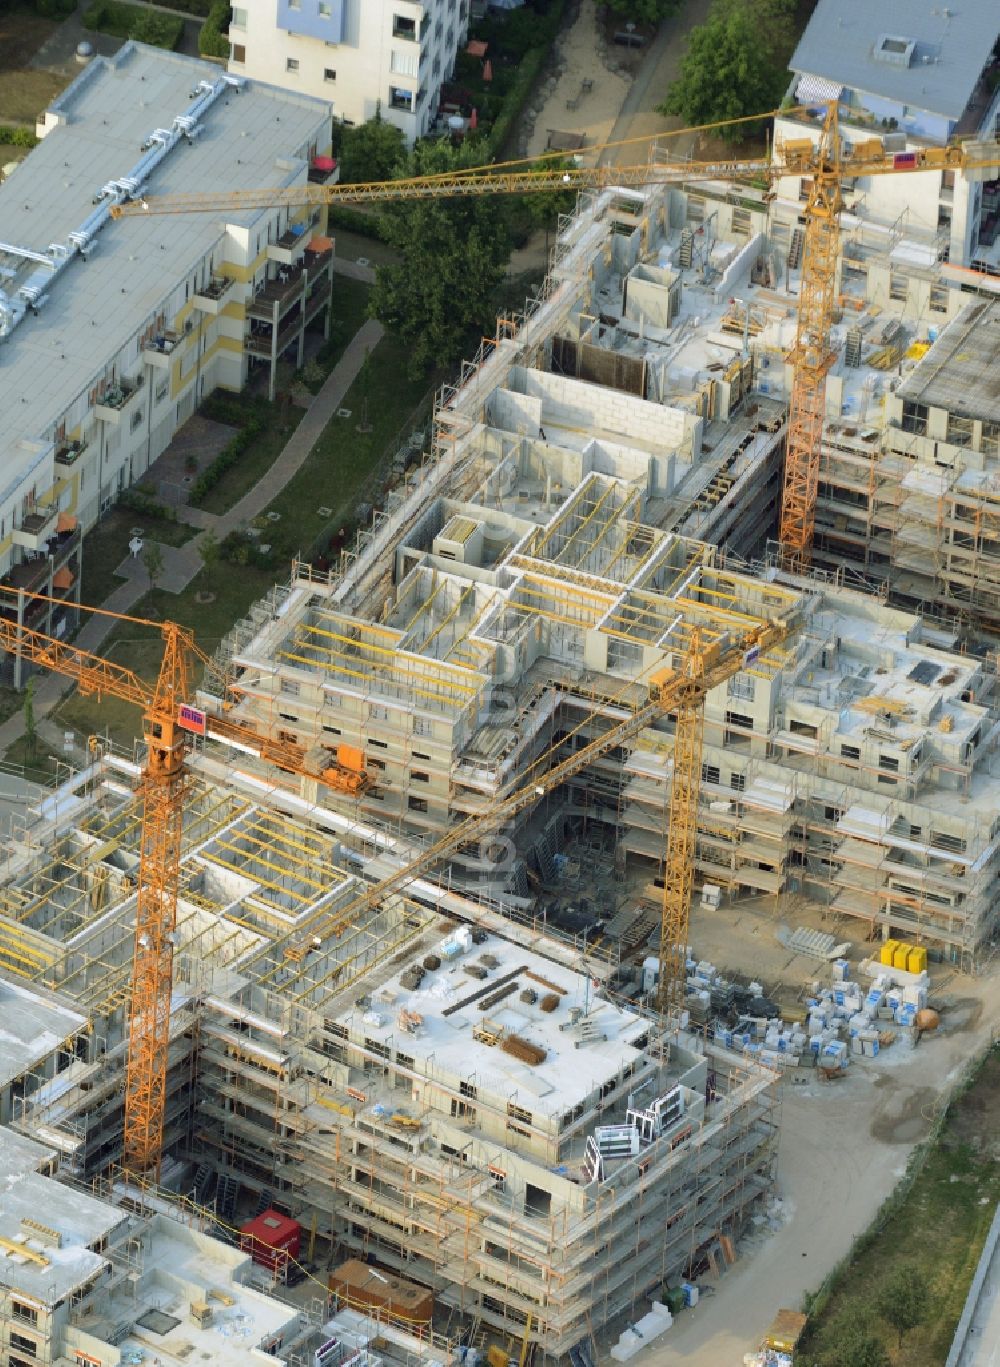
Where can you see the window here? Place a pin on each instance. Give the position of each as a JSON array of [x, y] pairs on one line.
[[421, 727], [418, 777], [404, 28], [238, 18], [290, 687], [404, 63], [850, 752], [20, 1311], [738, 782], [889, 762], [709, 773], [291, 63], [400, 99], [22, 1344], [915, 418], [329, 74], [741, 686], [237, 53], [137, 417], [417, 804], [324, 10], [161, 390]]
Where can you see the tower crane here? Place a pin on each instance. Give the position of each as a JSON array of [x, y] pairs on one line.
[[825, 163], [170, 722]]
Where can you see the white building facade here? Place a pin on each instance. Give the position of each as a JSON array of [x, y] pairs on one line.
[[364, 56], [918, 78]]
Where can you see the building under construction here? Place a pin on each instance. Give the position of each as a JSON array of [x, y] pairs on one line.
[[462, 1079]]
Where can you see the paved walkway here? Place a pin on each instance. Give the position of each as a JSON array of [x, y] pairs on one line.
[[638, 117], [182, 563]]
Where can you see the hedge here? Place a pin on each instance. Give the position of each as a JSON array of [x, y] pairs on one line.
[[17, 137], [354, 221], [213, 40], [225, 460], [516, 98], [139, 502], [55, 9], [122, 20]]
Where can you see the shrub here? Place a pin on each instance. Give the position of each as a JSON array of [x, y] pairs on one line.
[[122, 20], [240, 549], [55, 9], [226, 459], [148, 507], [18, 137], [213, 40], [354, 221]]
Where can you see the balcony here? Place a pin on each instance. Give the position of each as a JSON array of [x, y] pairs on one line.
[[36, 529], [69, 452], [289, 246], [209, 299], [278, 295], [158, 350], [324, 171], [259, 344], [116, 400]]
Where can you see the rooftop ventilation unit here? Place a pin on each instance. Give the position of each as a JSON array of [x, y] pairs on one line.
[[894, 51]]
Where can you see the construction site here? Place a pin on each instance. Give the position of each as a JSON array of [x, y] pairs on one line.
[[428, 826]]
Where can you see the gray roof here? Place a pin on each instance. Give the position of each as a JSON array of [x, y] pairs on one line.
[[250, 139], [961, 372], [842, 36], [31, 1028]]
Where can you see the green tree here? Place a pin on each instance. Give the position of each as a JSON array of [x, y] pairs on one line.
[[734, 65], [454, 255], [902, 1302], [152, 558], [30, 731], [208, 549], [373, 151], [644, 11]]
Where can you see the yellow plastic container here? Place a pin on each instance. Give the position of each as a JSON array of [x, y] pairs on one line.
[[917, 960], [888, 951], [901, 955]]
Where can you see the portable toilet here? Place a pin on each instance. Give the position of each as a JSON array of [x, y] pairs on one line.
[[888, 950]]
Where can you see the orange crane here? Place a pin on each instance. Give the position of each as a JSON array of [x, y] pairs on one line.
[[824, 163], [169, 722]]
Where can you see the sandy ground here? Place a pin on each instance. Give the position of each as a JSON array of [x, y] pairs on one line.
[[843, 1144], [579, 56]]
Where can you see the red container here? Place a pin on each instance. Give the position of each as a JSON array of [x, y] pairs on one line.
[[272, 1239]]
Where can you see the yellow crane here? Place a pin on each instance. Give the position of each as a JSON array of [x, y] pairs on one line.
[[170, 718], [824, 163]]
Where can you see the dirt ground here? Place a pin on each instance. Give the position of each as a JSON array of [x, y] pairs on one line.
[[843, 1144], [24, 90], [580, 55]]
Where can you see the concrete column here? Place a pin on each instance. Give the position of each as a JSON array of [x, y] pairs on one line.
[[274, 352]]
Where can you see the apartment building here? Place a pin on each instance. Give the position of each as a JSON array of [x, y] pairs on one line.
[[362, 56], [922, 77], [112, 332]]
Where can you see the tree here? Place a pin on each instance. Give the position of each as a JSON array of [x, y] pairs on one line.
[[208, 549], [152, 558], [644, 11], [734, 65], [372, 151], [902, 1302], [30, 731], [454, 256]]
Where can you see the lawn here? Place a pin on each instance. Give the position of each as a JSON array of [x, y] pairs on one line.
[[935, 1233], [24, 94], [106, 546], [141, 650], [350, 309], [336, 470], [277, 425], [37, 763]]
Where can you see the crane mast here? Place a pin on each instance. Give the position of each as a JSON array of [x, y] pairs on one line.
[[811, 356]]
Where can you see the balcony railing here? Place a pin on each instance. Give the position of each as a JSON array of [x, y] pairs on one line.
[[217, 287], [69, 452]]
